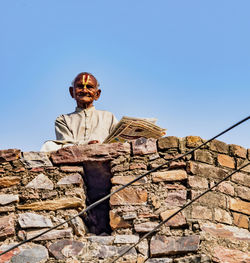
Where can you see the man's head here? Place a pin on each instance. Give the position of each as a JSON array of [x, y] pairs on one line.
[[85, 90]]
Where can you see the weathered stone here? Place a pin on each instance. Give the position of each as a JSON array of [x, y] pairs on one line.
[[9, 181], [53, 234], [122, 180], [117, 221], [34, 254], [9, 155], [126, 239], [222, 216], [243, 192], [120, 168], [239, 206], [203, 156], [218, 146], [35, 159], [129, 216], [193, 141], [168, 142], [226, 188], [7, 256], [177, 221], [225, 255], [41, 181], [7, 209], [70, 202], [225, 231], [241, 220], [226, 161], [177, 165], [143, 248], [238, 151], [159, 260], [176, 198], [105, 252], [206, 170], [241, 178], [7, 226], [169, 176], [66, 248], [72, 169], [141, 166], [8, 198], [104, 240], [144, 146], [198, 182], [201, 212], [71, 179], [241, 163], [28, 220], [145, 227], [163, 246], [193, 259], [48, 194], [212, 199], [129, 196], [92, 152]]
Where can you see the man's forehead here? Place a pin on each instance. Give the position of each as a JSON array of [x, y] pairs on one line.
[[86, 79]]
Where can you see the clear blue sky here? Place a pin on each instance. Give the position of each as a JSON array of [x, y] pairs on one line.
[[185, 62]]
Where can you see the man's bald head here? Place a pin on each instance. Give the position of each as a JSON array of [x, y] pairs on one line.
[[86, 79]]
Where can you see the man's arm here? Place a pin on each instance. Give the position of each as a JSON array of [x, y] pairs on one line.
[[62, 130]]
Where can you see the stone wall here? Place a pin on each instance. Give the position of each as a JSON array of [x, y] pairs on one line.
[[38, 191]]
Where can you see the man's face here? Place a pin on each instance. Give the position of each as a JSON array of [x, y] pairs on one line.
[[85, 91]]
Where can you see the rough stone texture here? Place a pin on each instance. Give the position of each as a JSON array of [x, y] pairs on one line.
[[71, 179], [211, 198], [34, 254], [7, 257], [159, 260], [72, 169], [176, 198], [226, 188], [9, 155], [222, 216], [203, 156], [126, 239], [8, 198], [197, 182], [28, 220], [226, 161], [238, 151], [8, 181], [7, 226], [168, 142], [41, 181], [141, 166], [218, 146], [225, 255], [177, 221], [193, 141], [104, 240], [78, 226], [201, 212], [225, 231], [239, 206], [93, 152], [242, 164], [241, 178], [117, 221], [122, 180], [129, 196], [145, 227], [163, 246], [144, 146], [175, 175], [53, 234], [7, 209], [243, 192], [66, 248], [241, 220], [70, 202], [193, 259], [35, 159]]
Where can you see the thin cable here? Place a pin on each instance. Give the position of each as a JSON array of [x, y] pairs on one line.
[[182, 208], [124, 186]]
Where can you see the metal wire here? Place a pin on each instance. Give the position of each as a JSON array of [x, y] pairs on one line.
[[124, 186], [182, 208]]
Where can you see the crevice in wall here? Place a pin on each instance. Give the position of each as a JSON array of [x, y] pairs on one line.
[[97, 177]]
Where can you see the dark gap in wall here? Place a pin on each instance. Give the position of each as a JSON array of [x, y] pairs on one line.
[[97, 177]]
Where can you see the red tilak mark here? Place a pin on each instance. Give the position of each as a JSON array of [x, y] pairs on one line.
[[85, 78]]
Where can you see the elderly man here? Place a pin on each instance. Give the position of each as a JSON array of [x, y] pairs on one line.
[[85, 125]]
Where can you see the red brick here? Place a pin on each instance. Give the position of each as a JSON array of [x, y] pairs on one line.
[[129, 196], [144, 146], [238, 151], [239, 206], [168, 142], [241, 220], [218, 146], [203, 156], [9, 155], [225, 255], [226, 161]]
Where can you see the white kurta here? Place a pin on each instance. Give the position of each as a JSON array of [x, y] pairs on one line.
[[80, 127]]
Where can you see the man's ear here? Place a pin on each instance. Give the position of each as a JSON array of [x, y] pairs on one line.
[[98, 94], [71, 91]]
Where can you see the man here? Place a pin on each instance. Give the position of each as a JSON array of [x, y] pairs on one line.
[[85, 125]]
